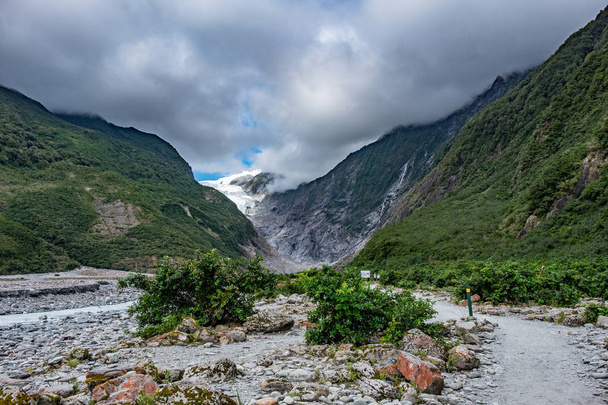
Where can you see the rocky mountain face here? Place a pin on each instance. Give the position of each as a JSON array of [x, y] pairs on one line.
[[333, 216], [524, 180], [77, 190]]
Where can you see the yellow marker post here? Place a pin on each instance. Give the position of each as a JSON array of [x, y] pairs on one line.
[[469, 301]]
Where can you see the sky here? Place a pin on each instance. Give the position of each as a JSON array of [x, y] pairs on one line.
[[285, 86]]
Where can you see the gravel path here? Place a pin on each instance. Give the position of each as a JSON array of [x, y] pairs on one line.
[[540, 366], [538, 362]]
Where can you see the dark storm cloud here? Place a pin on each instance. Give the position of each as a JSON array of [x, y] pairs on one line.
[[303, 82]]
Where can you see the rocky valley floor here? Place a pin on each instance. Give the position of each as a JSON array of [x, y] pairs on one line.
[[64, 355]]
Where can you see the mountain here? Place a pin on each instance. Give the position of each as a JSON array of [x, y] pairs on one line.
[[526, 177], [333, 216], [75, 189]]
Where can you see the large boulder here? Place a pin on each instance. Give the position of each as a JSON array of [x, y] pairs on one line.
[[602, 322], [424, 374], [268, 322], [417, 342], [462, 358]]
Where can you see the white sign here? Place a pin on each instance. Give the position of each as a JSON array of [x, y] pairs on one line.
[[364, 273]]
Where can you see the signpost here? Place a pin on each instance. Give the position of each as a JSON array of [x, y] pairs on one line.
[[365, 274], [469, 301]]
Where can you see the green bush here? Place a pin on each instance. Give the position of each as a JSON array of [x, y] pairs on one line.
[[210, 288], [593, 311], [348, 310]]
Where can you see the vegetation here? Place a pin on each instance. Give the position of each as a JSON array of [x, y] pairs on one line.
[[518, 205], [594, 311], [62, 177], [349, 311], [209, 288]]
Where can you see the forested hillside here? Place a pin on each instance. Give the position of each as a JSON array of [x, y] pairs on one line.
[[524, 181], [78, 190]]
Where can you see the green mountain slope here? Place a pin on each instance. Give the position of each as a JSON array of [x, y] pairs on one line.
[[525, 178], [78, 190]]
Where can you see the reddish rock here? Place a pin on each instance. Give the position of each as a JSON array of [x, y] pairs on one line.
[[307, 325], [101, 375], [347, 346], [425, 375], [124, 389], [475, 298]]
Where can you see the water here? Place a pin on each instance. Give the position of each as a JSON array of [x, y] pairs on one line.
[[35, 316]]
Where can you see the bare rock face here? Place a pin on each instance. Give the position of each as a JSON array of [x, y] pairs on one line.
[[333, 216], [415, 341], [269, 322], [425, 375], [462, 358], [115, 217]]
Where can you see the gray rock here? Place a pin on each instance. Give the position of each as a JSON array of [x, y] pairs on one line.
[[602, 322]]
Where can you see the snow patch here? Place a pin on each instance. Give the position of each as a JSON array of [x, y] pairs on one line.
[[229, 186]]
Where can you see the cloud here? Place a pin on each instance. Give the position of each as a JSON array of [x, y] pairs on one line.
[[288, 86]]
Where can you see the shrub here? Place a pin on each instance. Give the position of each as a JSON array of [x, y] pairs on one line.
[[593, 311], [348, 310], [210, 288]]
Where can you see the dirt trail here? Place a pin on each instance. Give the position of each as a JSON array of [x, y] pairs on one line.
[[539, 365]]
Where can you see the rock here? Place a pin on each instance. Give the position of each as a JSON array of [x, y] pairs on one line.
[[206, 336], [13, 395], [389, 372], [472, 339], [425, 375], [363, 369], [465, 327], [80, 354], [573, 321], [599, 376], [380, 354], [268, 322], [462, 358], [101, 375], [124, 389], [9, 381], [61, 390], [602, 322], [475, 298], [377, 389], [191, 395], [408, 392], [18, 375], [267, 401], [417, 342], [188, 325], [233, 336], [224, 368], [264, 362], [275, 384], [301, 375]]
